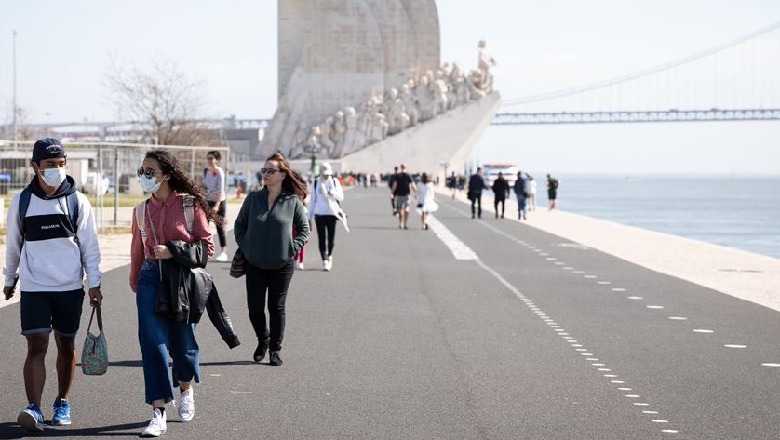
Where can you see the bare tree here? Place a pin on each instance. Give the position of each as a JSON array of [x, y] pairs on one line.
[[167, 104]]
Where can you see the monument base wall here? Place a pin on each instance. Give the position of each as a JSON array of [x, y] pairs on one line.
[[446, 139]]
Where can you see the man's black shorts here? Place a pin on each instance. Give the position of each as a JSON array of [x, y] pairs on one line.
[[43, 311]]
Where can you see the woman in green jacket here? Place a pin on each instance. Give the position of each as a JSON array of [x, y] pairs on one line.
[[264, 233]]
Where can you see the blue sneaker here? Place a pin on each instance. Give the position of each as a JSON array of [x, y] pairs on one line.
[[31, 418], [61, 415]]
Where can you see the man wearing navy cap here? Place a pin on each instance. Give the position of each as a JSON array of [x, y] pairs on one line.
[[51, 241]]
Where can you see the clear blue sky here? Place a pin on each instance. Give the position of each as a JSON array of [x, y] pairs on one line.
[[63, 49]]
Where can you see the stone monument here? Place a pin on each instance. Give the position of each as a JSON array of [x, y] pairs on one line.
[[354, 75]]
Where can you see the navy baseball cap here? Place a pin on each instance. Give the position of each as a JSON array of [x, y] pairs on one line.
[[47, 148]]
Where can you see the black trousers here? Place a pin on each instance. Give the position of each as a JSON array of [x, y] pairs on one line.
[[326, 234], [476, 199], [496, 202], [220, 230], [275, 282]]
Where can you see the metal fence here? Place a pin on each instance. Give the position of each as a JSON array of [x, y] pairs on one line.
[[101, 169]]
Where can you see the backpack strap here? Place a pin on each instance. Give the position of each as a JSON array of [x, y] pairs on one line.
[[24, 203], [140, 217], [73, 213]]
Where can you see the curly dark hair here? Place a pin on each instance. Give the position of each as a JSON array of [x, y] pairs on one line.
[[294, 183], [181, 182]]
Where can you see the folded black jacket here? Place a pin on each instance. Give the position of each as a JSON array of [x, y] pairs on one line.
[[186, 284]]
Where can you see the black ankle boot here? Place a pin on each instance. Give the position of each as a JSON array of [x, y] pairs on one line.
[[274, 359], [262, 347]]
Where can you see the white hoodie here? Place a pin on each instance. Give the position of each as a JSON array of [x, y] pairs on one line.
[[50, 260], [323, 203]]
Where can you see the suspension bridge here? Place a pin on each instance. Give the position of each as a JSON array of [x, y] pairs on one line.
[[738, 80]]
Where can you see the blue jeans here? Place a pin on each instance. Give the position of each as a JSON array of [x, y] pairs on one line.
[[159, 338]]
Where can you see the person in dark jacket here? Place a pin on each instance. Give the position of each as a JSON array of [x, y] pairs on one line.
[[500, 193], [476, 186], [161, 337], [264, 233], [521, 191]]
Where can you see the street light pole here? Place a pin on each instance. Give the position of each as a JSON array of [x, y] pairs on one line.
[[15, 107]]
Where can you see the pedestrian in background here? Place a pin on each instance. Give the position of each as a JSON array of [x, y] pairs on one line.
[[162, 337], [402, 187], [390, 183], [326, 195], [500, 193], [52, 289], [552, 191], [214, 182], [476, 186], [520, 189], [452, 184], [531, 191], [426, 200], [264, 233]]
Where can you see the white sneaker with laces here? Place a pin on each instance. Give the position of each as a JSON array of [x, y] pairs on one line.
[[222, 257], [300, 266], [326, 265], [187, 405], [157, 426]]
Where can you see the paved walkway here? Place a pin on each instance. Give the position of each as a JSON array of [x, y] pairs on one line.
[[486, 329], [741, 274]]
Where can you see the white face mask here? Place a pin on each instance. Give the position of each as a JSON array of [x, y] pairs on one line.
[[150, 184], [53, 176]]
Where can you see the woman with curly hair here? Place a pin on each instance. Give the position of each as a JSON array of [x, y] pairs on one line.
[[264, 233], [160, 337]]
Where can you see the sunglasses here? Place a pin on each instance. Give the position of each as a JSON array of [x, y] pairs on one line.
[[270, 171], [148, 173]]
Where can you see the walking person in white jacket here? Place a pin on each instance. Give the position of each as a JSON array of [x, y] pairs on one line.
[[51, 240], [326, 194], [426, 200]]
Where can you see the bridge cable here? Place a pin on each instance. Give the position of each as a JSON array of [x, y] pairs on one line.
[[631, 76]]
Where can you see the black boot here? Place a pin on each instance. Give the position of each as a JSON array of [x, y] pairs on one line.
[[274, 359], [262, 347]]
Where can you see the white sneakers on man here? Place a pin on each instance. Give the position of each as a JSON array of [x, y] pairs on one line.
[[157, 425], [327, 264], [222, 257], [187, 405]]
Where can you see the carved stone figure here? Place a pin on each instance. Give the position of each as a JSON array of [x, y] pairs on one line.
[[440, 91], [326, 135], [484, 63], [339, 131], [395, 109], [313, 141], [351, 133], [474, 81], [410, 104]]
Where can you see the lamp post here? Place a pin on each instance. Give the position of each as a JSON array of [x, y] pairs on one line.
[[15, 106]]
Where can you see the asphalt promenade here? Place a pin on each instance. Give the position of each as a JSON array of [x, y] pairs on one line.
[[474, 329]]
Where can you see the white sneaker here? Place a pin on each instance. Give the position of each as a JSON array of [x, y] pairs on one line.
[[300, 266], [222, 257], [158, 425], [187, 405], [326, 265]]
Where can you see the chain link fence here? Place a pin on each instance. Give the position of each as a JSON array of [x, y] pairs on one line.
[[105, 171]]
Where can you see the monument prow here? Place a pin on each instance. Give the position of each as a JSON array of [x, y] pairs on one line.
[[446, 139]]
